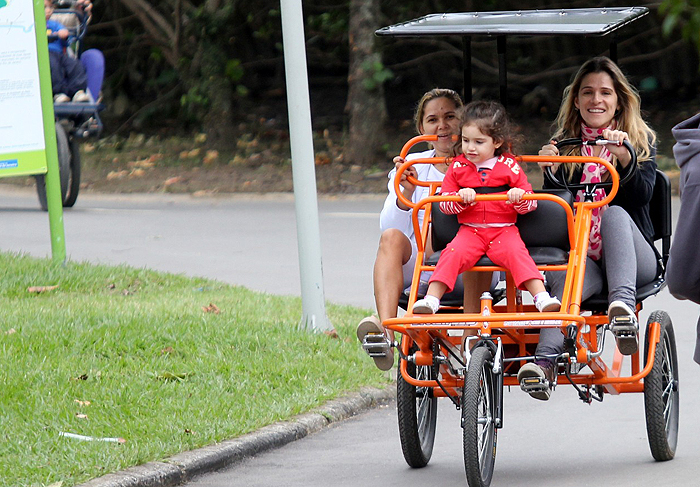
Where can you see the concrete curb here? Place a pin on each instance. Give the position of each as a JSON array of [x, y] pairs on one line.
[[187, 465]]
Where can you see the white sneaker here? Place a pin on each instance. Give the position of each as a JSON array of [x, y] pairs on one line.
[[429, 305], [81, 97], [61, 98], [547, 304]]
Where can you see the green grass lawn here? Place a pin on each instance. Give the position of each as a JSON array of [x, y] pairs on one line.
[[130, 353]]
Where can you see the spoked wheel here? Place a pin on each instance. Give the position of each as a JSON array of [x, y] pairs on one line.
[[74, 174], [417, 412], [661, 391], [479, 418], [64, 163]]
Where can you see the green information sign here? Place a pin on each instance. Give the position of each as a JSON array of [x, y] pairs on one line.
[[27, 130]]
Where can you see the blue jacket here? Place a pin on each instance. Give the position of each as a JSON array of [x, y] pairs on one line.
[[52, 27]]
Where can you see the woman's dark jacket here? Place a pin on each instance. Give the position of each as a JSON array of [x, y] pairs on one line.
[[634, 196]]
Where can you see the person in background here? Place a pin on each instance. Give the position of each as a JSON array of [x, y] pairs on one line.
[[683, 271], [68, 78]]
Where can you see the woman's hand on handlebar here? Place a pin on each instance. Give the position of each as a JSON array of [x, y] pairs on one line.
[[619, 151], [549, 150], [407, 187]]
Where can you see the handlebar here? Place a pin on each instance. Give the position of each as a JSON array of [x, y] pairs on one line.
[[591, 187]]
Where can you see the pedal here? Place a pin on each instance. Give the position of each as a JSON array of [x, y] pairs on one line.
[[623, 326], [376, 345], [534, 384]]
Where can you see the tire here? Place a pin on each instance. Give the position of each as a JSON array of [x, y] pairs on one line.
[[417, 413], [661, 391], [479, 419], [64, 162], [73, 174]]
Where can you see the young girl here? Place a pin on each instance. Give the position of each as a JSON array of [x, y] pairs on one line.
[[487, 227]]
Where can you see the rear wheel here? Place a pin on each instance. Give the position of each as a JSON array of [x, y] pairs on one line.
[[661, 390], [64, 163], [417, 412], [479, 418]]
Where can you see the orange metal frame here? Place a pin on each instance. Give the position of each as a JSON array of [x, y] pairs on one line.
[[514, 323]]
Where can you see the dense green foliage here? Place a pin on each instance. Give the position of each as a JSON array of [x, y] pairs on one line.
[[215, 64], [683, 13]]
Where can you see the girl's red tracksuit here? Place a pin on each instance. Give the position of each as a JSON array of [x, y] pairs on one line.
[[487, 227]]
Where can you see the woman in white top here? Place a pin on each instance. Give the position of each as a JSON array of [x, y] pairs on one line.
[[436, 114]]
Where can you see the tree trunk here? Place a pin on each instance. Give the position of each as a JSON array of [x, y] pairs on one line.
[[366, 105]]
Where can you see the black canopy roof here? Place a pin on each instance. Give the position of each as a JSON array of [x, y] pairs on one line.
[[551, 22]]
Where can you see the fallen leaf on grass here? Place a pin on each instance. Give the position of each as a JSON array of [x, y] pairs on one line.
[[212, 308], [56, 484], [237, 161], [167, 350], [117, 174], [322, 159], [190, 154], [142, 163], [137, 173], [10, 331], [331, 334], [210, 157], [82, 403], [81, 416], [40, 289], [80, 377], [189, 432], [171, 181]]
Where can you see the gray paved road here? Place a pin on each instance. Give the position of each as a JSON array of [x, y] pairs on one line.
[[251, 241]]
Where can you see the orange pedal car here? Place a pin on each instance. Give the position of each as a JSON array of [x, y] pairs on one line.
[[470, 357]]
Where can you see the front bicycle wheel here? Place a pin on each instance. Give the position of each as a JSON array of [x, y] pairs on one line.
[[479, 418], [74, 174], [64, 157], [417, 413], [661, 391]]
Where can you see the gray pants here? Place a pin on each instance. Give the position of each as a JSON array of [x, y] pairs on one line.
[[628, 261]]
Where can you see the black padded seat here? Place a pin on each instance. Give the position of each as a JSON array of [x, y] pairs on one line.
[[544, 231]]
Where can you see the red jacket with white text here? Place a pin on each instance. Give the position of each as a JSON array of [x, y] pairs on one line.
[[463, 173]]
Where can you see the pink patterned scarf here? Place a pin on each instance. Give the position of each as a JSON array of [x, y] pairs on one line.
[[594, 173]]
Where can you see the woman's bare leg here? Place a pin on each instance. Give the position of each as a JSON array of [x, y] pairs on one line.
[[394, 251]]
